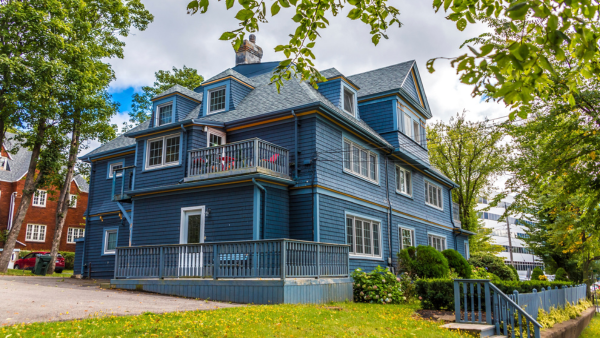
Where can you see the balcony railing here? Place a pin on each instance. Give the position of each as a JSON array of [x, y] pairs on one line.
[[237, 158], [278, 258]]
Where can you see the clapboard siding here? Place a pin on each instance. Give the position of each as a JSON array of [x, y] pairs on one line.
[[101, 185], [278, 215], [184, 107], [78, 262], [103, 266], [158, 219], [238, 93], [378, 115], [332, 90], [301, 217], [410, 87], [421, 232], [161, 176]]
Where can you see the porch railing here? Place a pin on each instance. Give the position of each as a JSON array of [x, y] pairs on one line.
[[278, 258], [238, 155]]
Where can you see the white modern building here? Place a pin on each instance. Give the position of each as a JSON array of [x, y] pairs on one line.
[[522, 258]]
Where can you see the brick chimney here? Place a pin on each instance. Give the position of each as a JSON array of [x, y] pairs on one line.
[[249, 52]]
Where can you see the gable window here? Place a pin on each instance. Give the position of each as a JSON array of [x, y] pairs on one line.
[[438, 242], [349, 101], [163, 151], [359, 161], [74, 233], [113, 167], [416, 132], [164, 114], [110, 241], [39, 198], [407, 238], [72, 201], [217, 100], [407, 125], [3, 163], [35, 233], [433, 195], [403, 181], [364, 236]]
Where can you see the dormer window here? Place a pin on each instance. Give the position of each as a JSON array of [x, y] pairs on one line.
[[349, 101], [164, 114], [3, 163], [217, 100]]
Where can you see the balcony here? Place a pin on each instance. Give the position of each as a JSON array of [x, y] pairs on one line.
[[238, 158]]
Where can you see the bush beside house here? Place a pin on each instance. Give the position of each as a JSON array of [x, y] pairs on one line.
[[494, 264], [423, 262], [379, 286], [458, 263]]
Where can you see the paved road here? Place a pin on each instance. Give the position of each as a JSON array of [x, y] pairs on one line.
[[35, 299]]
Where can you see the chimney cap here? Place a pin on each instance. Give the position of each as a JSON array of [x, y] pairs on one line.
[[252, 38]]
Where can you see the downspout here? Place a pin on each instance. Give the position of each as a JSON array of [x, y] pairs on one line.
[[387, 191], [262, 229], [11, 210], [296, 160], [87, 220], [455, 233]]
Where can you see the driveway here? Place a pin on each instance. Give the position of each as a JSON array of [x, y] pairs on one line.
[[37, 299]]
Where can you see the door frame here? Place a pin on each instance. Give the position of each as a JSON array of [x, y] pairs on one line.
[[183, 233]]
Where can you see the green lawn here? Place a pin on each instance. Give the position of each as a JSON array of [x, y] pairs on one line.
[[13, 272], [593, 330], [333, 320]]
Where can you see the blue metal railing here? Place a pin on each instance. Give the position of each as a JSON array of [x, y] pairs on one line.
[[278, 258], [122, 182]]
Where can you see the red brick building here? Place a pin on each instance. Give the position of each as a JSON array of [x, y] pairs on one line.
[[37, 231]]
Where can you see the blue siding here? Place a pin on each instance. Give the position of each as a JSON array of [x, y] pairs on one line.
[[78, 262], [411, 89], [238, 93], [101, 186], [379, 115], [184, 107], [301, 217], [103, 266], [160, 176], [278, 213], [332, 90]]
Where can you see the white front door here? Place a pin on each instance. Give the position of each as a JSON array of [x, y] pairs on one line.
[[192, 232]]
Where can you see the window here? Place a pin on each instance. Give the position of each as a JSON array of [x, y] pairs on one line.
[[217, 100], [39, 198], [364, 236], [74, 233], [349, 101], [163, 151], [113, 167], [482, 200], [359, 161], [438, 242], [35, 233], [407, 238], [433, 195], [467, 254], [72, 201], [215, 137], [416, 132], [110, 241], [3, 163], [164, 114], [403, 181], [407, 125]]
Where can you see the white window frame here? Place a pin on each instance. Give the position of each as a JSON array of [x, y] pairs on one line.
[[215, 132], [73, 201], [417, 131], [354, 245], [157, 117], [164, 152], [3, 163], [440, 195], [431, 238], [408, 125], [210, 92], [351, 169], [403, 171], [111, 169], [105, 244], [44, 194], [71, 233], [467, 250], [344, 90], [30, 231], [401, 236]]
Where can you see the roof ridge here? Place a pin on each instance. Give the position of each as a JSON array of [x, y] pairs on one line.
[[382, 68]]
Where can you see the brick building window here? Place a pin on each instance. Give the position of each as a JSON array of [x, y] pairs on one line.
[[39, 198], [35, 233], [74, 233], [72, 201]]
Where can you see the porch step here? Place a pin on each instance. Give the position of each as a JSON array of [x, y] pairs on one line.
[[477, 329]]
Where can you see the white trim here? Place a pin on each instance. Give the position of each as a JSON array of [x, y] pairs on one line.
[[216, 132], [111, 170], [157, 114], [440, 195], [348, 155], [467, 249], [163, 164], [41, 205], [408, 185], [413, 238], [353, 245], [431, 235], [183, 234], [344, 90], [71, 204], [31, 234], [80, 231], [210, 91], [105, 245]]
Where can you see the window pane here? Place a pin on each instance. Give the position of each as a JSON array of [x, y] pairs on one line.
[[215, 140], [111, 242], [439, 190], [70, 235], [376, 239], [406, 238], [372, 169], [355, 160], [416, 131], [194, 228], [348, 101], [367, 238], [172, 150], [408, 182], [165, 114], [359, 236], [114, 167], [349, 233], [29, 234], [155, 155], [217, 100], [347, 155], [407, 123], [363, 163]]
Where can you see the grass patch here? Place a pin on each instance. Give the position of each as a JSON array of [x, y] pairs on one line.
[[593, 330], [13, 272], [331, 320]]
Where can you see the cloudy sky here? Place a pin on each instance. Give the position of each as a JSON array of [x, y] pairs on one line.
[[176, 39]]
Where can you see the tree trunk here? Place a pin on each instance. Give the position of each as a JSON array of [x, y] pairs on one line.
[[64, 201], [31, 183]]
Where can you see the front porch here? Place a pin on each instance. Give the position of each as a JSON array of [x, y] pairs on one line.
[[259, 272]]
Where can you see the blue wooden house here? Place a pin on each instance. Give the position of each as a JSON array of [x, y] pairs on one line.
[[235, 192]]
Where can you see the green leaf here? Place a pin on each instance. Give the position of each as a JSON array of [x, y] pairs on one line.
[[572, 99], [203, 6], [429, 65], [470, 17], [447, 4], [244, 14], [473, 50], [227, 36], [284, 3], [562, 35], [486, 49], [229, 3], [461, 24], [375, 39], [310, 45], [552, 23], [275, 8], [297, 18], [354, 13]]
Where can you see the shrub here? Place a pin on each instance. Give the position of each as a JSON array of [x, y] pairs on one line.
[[515, 273], [537, 272], [560, 314], [377, 286], [494, 264], [423, 262], [561, 275], [457, 262]]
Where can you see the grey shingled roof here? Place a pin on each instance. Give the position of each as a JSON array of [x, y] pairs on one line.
[[120, 142], [82, 184], [382, 79], [182, 90], [231, 72], [18, 162], [331, 72]]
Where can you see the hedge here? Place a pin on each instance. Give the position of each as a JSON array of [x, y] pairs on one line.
[[68, 255], [438, 294]]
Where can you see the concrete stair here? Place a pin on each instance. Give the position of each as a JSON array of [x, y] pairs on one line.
[[480, 330]]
